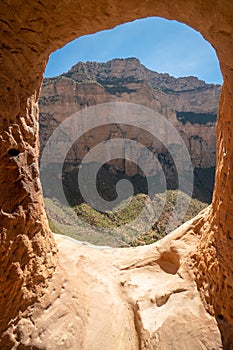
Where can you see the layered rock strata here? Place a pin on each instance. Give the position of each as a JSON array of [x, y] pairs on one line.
[[188, 103]]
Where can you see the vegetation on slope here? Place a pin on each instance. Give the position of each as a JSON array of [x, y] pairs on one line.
[[112, 227]]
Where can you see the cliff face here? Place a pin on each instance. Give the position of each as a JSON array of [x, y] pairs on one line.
[[188, 103]]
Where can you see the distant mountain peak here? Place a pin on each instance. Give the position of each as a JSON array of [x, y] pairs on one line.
[[132, 70], [188, 103]]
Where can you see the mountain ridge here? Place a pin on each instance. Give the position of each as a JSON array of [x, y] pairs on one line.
[[188, 103], [161, 77]]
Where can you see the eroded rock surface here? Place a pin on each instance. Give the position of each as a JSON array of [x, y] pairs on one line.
[[30, 31], [143, 298]]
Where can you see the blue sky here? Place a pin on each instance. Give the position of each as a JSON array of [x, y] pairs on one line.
[[161, 45]]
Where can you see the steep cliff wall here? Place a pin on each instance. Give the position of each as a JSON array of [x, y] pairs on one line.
[[188, 103]]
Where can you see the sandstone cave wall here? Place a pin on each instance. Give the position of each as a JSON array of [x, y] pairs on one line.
[[30, 31]]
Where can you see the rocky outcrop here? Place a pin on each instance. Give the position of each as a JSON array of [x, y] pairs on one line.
[[147, 295], [188, 103], [30, 32]]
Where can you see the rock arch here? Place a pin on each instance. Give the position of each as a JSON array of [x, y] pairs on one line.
[[30, 31]]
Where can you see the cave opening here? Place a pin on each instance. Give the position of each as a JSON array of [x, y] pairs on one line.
[[189, 103], [213, 252]]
